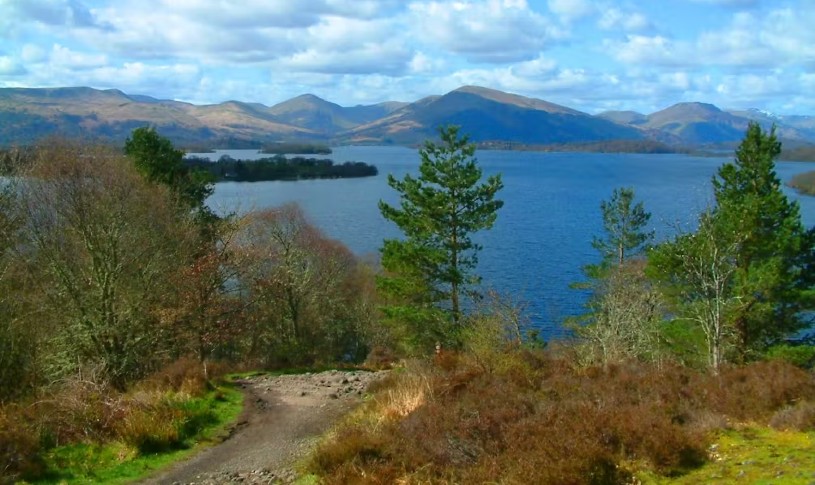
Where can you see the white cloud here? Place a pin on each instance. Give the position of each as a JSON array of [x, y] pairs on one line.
[[345, 45], [539, 78], [371, 58], [777, 38], [32, 53], [571, 10], [62, 57], [49, 12], [583, 53], [730, 3], [485, 31], [651, 50], [615, 18], [424, 64], [132, 76], [10, 67], [676, 80]]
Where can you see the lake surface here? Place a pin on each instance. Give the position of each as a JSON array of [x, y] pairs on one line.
[[544, 231]]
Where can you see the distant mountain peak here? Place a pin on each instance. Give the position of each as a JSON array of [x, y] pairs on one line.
[[695, 106], [307, 96], [513, 99], [474, 89], [763, 112], [626, 117], [484, 113]]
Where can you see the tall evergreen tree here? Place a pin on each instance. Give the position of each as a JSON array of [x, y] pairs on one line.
[[155, 157], [438, 213], [624, 224], [775, 256]]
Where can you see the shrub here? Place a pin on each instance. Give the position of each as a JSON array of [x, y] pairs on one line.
[[380, 358], [355, 445], [78, 410], [546, 420], [184, 375], [149, 427], [756, 391], [19, 447], [800, 417], [799, 355]]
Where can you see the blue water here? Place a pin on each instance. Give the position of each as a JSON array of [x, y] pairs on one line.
[[543, 234]]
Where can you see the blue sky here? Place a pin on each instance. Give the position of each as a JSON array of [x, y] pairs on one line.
[[641, 55]]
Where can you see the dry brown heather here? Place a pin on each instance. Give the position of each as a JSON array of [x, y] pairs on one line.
[[541, 419]]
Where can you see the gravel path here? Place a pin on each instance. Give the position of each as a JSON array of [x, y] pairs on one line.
[[282, 419]]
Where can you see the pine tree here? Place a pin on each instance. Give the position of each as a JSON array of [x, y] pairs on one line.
[[624, 223], [156, 159], [438, 213], [775, 254], [623, 306]]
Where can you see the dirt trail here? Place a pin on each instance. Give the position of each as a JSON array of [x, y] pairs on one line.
[[282, 419]]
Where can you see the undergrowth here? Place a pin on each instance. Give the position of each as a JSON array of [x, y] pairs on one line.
[[537, 418], [81, 430]]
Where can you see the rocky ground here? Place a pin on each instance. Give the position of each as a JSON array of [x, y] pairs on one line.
[[282, 420]]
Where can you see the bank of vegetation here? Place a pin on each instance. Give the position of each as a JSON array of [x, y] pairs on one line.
[[279, 167], [803, 183], [282, 148], [294, 148], [123, 298], [804, 153], [606, 146]]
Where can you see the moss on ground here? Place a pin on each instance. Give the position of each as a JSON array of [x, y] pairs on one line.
[[755, 455]]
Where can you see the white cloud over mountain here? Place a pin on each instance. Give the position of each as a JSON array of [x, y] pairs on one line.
[[593, 55]]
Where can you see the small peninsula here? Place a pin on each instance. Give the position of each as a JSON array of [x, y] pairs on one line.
[[279, 167]]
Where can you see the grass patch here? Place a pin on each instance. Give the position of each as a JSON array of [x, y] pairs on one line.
[[202, 421], [753, 454]]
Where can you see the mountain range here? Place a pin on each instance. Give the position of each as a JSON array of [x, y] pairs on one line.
[[487, 115]]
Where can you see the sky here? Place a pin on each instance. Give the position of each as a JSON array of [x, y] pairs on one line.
[[641, 55]]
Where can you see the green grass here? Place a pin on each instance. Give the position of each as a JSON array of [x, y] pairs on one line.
[[119, 463], [755, 455]]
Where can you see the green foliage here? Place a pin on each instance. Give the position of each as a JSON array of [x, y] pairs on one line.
[[684, 342], [624, 308], [90, 434], [801, 355], [159, 162], [624, 223], [494, 331], [604, 146], [99, 247], [744, 276], [438, 213], [279, 168], [775, 257], [697, 272], [18, 345], [751, 454], [293, 147]]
